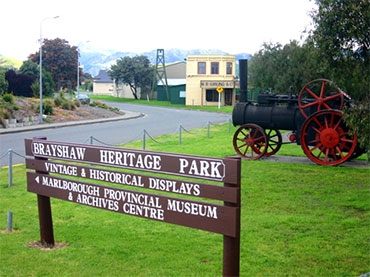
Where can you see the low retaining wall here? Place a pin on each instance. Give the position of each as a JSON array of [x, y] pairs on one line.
[[26, 121]]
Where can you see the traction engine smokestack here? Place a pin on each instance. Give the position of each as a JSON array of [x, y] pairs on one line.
[[243, 80]]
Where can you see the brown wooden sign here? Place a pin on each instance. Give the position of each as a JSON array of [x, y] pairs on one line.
[[182, 165], [61, 170], [200, 215], [129, 179]]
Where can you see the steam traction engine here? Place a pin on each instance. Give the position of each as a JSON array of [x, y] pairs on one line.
[[314, 118]]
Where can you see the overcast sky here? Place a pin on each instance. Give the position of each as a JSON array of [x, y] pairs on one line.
[[145, 25]]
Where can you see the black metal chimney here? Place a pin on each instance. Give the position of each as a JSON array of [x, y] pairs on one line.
[[243, 80]]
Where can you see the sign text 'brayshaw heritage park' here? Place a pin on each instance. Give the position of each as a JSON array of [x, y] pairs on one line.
[[68, 171]]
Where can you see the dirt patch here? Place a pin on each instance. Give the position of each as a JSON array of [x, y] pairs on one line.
[[27, 107], [6, 231], [84, 112], [39, 245]]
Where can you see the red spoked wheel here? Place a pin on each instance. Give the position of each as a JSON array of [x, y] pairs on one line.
[[274, 141], [326, 140], [320, 94], [250, 141]]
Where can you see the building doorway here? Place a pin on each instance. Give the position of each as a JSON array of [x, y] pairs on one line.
[[228, 97]]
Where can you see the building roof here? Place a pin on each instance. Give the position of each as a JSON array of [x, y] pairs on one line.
[[173, 82], [103, 77], [175, 72], [207, 57]]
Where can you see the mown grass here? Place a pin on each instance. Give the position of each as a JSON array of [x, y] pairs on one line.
[[226, 109], [297, 220]]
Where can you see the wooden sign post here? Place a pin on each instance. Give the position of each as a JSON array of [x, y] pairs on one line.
[[61, 170]]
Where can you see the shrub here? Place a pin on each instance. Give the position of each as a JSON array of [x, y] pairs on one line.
[[99, 104], [58, 101], [62, 95], [64, 103], [4, 113], [76, 103], [47, 108], [357, 117], [68, 105], [9, 98]]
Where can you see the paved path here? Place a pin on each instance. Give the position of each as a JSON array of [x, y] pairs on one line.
[[306, 160], [155, 121], [135, 114]]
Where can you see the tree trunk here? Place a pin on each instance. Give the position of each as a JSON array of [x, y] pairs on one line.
[[134, 92]]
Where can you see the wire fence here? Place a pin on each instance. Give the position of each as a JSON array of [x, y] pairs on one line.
[[9, 154], [145, 136]]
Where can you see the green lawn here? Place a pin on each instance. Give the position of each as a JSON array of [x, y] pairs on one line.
[[296, 220], [226, 109]]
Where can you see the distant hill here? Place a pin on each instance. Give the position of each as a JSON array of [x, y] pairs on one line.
[[93, 61], [9, 62]]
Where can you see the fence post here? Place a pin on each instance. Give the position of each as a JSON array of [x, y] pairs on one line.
[[144, 139], [10, 168], [180, 135], [10, 221]]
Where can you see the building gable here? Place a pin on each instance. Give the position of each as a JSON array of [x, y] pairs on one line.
[[103, 77]]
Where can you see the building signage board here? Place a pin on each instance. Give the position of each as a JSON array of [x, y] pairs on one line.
[[179, 189], [218, 83]]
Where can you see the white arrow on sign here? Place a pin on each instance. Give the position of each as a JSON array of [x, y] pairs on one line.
[[37, 179]]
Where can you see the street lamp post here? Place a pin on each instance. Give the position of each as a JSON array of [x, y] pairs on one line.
[[78, 68], [41, 41]]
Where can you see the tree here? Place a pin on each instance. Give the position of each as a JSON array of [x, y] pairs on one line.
[[47, 85], [343, 42], [277, 67], [357, 117], [262, 68], [86, 81], [60, 59], [341, 34], [134, 72], [19, 84], [3, 81], [32, 69]]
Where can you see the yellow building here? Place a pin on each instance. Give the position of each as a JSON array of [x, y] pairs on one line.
[[210, 80]]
